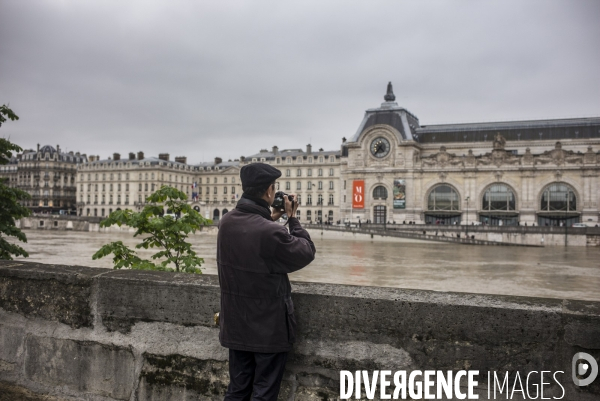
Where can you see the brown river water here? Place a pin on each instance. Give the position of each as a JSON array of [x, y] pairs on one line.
[[551, 272]]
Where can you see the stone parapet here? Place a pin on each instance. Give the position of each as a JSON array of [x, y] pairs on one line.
[[73, 333]]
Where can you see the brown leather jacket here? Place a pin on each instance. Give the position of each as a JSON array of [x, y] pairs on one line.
[[254, 255]]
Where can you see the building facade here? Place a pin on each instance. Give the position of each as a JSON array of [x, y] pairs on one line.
[[542, 172], [106, 185], [48, 175], [393, 170], [315, 176]]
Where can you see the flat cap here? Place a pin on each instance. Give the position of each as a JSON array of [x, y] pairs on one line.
[[258, 174]]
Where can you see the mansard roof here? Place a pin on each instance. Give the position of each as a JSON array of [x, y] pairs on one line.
[[571, 128], [30, 154], [407, 124], [293, 153]]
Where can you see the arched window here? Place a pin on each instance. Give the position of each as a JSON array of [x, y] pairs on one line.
[[216, 214], [380, 192], [499, 197], [225, 212], [443, 197], [558, 197]]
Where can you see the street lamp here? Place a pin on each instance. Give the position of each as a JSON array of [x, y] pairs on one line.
[[321, 203], [566, 214], [467, 233]]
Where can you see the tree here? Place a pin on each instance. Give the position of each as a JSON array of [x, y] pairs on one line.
[[10, 208], [163, 231]]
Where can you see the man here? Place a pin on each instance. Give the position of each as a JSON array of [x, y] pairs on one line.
[[254, 255]]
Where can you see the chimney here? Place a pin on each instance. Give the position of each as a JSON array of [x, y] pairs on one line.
[[140, 155], [309, 148], [320, 149], [181, 159], [131, 156], [116, 156], [242, 158], [57, 149], [163, 156], [275, 150], [38, 147], [344, 140], [218, 160], [91, 158]]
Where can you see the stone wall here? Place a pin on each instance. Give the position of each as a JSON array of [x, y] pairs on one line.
[[73, 333]]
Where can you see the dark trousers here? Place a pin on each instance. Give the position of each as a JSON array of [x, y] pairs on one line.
[[254, 375]]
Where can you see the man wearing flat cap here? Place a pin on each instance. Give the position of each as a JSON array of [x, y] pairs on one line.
[[254, 255]]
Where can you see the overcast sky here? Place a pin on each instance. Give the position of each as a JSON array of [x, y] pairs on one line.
[[227, 78]]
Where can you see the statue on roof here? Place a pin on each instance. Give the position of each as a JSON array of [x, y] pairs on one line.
[[389, 96], [499, 142]]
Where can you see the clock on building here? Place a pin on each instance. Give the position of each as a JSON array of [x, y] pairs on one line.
[[380, 147]]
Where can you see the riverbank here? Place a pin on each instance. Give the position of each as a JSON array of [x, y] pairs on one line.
[[477, 235], [342, 258]]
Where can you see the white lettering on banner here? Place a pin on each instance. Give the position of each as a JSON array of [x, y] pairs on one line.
[[358, 197]]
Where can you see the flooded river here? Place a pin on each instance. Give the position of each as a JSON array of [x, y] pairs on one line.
[[554, 272]]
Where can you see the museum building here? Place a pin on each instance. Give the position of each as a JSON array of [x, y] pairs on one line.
[[542, 172]]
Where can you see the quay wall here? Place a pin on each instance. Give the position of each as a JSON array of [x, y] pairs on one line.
[[534, 236], [537, 236], [80, 333]]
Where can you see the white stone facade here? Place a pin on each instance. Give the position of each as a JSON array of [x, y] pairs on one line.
[[524, 172]]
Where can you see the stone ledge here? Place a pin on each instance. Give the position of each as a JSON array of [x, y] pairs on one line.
[[126, 297], [51, 292], [158, 328]]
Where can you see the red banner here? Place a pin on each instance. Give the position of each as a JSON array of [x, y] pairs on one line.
[[358, 194]]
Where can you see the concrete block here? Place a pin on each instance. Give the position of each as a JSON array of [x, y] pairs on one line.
[[82, 366], [11, 392], [11, 341], [177, 377], [52, 292], [127, 297], [437, 330]]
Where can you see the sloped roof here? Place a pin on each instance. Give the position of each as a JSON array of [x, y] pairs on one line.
[[571, 128]]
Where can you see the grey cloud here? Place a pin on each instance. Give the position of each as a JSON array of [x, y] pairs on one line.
[[207, 79]]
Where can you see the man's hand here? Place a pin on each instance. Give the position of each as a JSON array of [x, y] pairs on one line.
[[290, 207], [276, 214]]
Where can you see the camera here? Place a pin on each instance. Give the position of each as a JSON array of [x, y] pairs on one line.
[[279, 202]]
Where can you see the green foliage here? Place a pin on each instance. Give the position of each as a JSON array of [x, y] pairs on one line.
[[166, 233], [10, 208], [5, 113]]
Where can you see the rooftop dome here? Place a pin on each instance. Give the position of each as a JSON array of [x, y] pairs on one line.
[[48, 149], [389, 113]]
